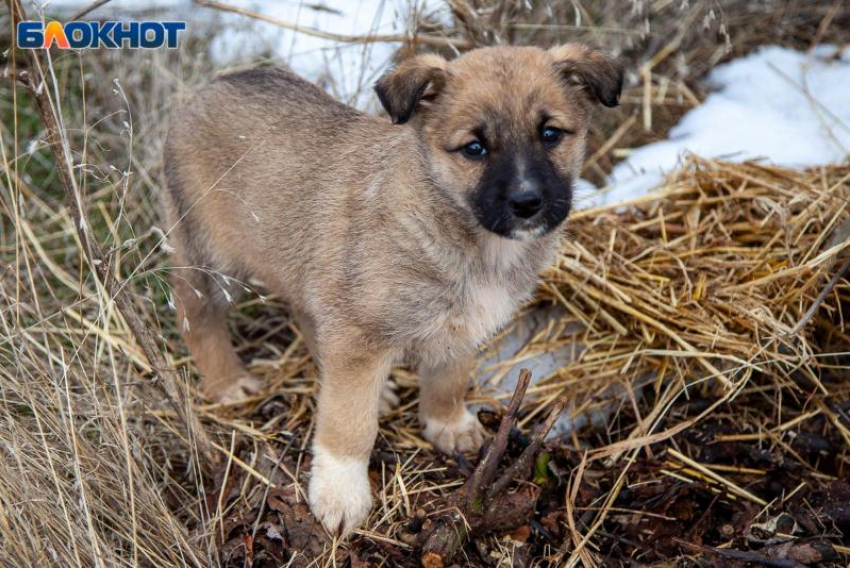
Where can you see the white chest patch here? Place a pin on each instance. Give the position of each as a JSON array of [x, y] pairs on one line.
[[488, 308], [482, 305], [482, 311]]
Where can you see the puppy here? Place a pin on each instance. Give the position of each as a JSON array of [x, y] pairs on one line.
[[406, 240]]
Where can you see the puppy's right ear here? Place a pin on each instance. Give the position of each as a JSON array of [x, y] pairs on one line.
[[414, 82]]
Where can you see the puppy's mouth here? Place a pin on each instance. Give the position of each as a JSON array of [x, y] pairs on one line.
[[526, 221], [508, 225]]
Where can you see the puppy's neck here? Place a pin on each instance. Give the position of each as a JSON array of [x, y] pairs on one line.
[[462, 244], [500, 255]]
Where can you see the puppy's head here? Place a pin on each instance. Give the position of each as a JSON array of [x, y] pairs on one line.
[[503, 129]]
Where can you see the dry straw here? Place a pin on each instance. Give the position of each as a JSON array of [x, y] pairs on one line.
[[705, 281]]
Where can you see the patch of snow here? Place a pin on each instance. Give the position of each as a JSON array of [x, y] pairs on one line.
[[500, 364], [785, 107], [346, 70], [587, 196]]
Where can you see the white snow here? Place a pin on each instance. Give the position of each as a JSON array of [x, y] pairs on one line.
[[346, 70], [785, 107], [500, 364]]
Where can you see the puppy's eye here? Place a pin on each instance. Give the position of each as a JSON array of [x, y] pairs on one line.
[[551, 135], [474, 149]]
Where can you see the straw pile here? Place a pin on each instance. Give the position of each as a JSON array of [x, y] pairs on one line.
[[707, 283]]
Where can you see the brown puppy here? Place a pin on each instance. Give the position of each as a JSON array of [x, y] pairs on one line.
[[410, 240]]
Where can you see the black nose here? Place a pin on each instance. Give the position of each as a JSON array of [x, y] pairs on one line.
[[525, 204]]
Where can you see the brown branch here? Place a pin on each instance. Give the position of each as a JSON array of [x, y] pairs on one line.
[[471, 513], [743, 555], [827, 290], [525, 461], [169, 381], [434, 41], [21, 78], [88, 9], [840, 234], [486, 470]]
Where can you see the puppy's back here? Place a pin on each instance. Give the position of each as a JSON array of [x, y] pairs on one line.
[[279, 89], [235, 152], [248, 109]]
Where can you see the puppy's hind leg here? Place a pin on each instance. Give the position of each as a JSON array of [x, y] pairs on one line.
[[201, 315]]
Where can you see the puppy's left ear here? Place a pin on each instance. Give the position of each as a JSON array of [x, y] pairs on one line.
[[415, 81], [599, 74]]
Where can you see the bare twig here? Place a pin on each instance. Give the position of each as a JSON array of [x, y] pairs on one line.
[[526, 460], [824, 24], [744, 555], [21, 78], [434, 41], [486, 470], [501, 510], [89, 9], [827, 290]]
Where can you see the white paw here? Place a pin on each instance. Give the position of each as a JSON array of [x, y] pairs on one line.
[[235, 390], [340, 495], [389, 399], [463, 435]]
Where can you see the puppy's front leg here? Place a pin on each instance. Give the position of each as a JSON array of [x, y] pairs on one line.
[[442, 407], [346, 426]]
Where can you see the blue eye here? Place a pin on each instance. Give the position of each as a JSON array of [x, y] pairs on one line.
[[551, 135], [474, 149]]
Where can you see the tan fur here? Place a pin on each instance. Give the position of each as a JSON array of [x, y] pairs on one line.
[[364, 227]]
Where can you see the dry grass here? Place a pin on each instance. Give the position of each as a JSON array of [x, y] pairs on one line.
[[90, 474], [688, 301]]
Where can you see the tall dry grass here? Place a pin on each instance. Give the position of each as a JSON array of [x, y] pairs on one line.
[[95, 469]]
